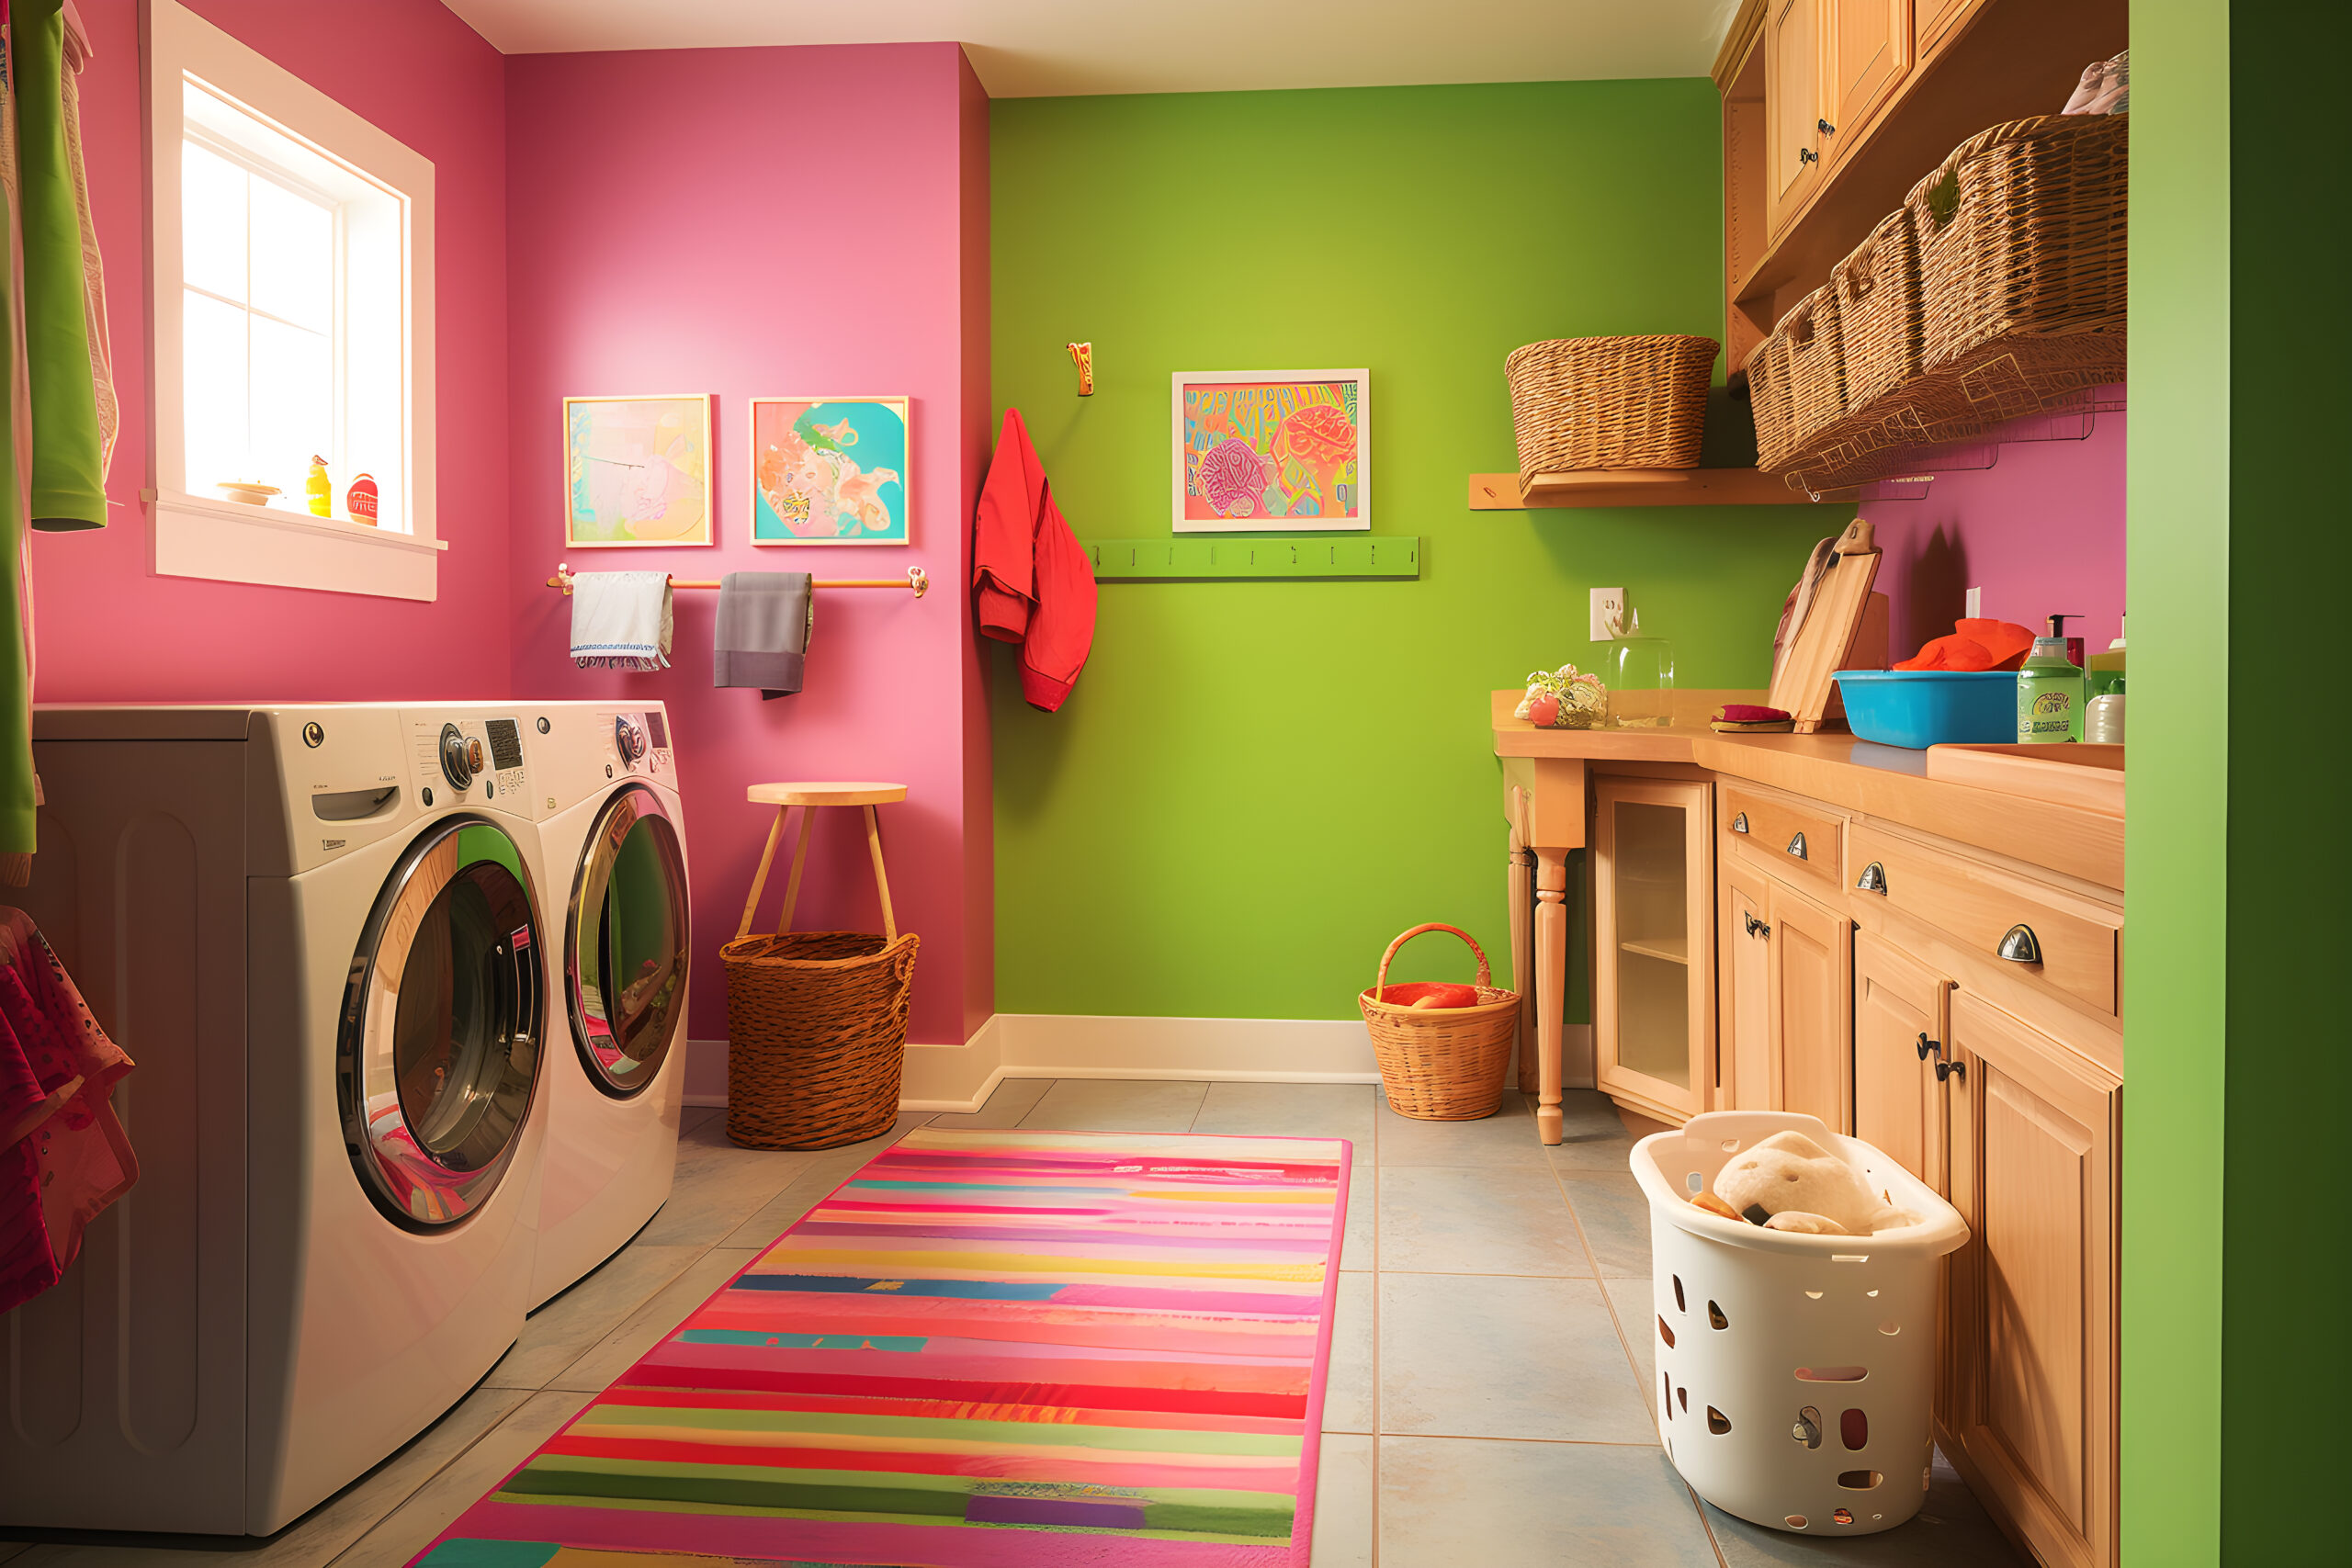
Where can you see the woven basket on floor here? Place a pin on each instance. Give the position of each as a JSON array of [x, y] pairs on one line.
[[816, 1036], [1609, 402], [1442, 1064], [2021, 249]]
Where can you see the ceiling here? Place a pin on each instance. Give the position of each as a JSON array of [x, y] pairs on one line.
[[1053, 48]]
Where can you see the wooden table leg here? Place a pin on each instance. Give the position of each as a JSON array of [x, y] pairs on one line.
[[760, 877], [881, 878], [1551, 983], [799, 865], [1519, 884]]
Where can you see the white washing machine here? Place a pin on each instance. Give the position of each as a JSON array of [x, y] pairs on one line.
[[319, 931], [610, 826]]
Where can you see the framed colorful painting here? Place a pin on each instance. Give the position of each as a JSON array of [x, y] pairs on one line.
[[1281, 450], [829, 471], [637, 470]]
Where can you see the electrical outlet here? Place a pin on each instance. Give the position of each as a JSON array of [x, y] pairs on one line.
[[1608, 604], [1975, 603]]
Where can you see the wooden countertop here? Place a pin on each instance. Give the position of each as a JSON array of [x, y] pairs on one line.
[[1885, 781]]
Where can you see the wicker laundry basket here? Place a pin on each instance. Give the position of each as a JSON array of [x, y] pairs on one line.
[[2021, 249], [1442, 1064], [816, 1036], [1609, 402]]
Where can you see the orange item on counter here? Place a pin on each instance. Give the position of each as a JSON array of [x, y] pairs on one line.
[[1974, 645]]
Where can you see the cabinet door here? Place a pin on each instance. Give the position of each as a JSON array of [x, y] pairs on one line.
[[1932, 23], [1811, 1003], [1654, 886], [1900, 1012], [2033, 1323], [1744, 990], [1792, 103], [1869, 53]]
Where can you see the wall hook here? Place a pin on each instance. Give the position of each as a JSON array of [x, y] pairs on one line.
[[1082, 355]]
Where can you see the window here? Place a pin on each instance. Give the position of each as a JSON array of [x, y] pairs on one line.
[[292, 314]]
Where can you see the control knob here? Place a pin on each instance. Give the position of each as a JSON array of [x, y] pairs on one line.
[[461, 756], [628, 740]]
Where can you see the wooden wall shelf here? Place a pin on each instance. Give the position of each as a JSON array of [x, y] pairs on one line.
[[1633, 487]]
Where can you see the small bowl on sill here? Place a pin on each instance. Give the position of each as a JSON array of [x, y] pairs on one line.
[[251, 493]]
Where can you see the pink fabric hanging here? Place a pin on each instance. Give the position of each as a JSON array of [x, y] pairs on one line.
[[65, 1157]]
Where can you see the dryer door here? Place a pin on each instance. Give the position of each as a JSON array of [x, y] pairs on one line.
[[437, 1053], [625, 942]]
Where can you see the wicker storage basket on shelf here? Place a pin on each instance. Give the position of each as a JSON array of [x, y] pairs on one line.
[[1768, 402], [1442, 1064], [1609, 402], [2021, 249], [1809, 333], [1877, 287], [816, 1036]]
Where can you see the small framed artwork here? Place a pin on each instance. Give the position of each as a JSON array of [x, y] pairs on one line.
[[1271, 450], [637, 470], [829, 470]]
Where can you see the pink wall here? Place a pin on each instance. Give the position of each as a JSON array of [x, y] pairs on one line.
[[2040, 532], [773, 221], [106, 631]]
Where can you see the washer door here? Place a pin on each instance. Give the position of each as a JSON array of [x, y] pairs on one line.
[[443, 1018], [626, 943]]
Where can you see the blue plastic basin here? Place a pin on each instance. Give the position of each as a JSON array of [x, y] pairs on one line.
[[1919, 709]]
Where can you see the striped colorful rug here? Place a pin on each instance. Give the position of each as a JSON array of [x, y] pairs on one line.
[[986, 1350]]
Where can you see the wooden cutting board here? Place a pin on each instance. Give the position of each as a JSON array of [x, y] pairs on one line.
[[1802, 687]]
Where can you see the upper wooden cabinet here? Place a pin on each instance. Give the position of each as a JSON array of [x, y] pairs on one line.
[[1869, 52], [1931, 19], [1792, 103]]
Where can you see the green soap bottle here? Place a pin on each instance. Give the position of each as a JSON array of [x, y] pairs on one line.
[[2051, 690]]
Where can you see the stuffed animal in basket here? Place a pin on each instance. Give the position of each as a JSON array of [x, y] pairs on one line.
[[1787, 1182]]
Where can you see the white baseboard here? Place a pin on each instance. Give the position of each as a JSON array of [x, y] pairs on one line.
[[950, 1078]]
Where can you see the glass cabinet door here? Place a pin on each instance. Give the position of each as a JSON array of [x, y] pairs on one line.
[[1654, 941]]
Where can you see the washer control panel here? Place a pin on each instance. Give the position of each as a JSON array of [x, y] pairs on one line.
[[470, 760], [638, 743]]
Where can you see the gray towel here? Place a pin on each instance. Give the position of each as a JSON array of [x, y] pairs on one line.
[[765, 622]]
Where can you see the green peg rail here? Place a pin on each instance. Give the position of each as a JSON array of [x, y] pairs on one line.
[[1316, 556]]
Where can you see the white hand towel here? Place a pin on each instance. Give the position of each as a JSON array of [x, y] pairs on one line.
[[620, 620]]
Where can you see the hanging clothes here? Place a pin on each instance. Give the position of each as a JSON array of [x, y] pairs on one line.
[[1032, 582], [62, 408], [66, 1157]]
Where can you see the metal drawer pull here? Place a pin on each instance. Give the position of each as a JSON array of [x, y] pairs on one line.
[[2020, 946], [1825, 127], [1874, 879], [1928, 1047], [1807, 155], [1757, 927], [1796, 846], [1952, 1070], [1739, 823]]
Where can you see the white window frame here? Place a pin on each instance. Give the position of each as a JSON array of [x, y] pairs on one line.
[[200, 535]]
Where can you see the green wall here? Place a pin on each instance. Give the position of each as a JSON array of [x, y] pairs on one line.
[[1256, 786]]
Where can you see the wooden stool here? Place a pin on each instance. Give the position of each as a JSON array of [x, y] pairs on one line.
[[808, 796]]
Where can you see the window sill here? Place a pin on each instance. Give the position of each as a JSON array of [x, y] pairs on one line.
[[226, 541]]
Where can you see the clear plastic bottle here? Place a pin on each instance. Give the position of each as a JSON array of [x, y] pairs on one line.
[[2050, 689]]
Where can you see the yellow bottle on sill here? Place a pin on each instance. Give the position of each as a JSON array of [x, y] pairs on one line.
[[320, 488]]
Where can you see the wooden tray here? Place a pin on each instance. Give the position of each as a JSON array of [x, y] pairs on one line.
[[1801, 688], [2089, 778]]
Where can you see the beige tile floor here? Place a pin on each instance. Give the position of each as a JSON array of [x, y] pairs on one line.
[[1487, 1399]]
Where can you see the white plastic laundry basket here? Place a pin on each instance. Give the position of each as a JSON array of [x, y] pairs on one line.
[[1796, 1373]]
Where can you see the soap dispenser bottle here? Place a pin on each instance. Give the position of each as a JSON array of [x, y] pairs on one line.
[[2050, 689]]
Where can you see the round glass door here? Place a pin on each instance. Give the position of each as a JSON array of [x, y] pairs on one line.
[[440, 1040], [624, 944]]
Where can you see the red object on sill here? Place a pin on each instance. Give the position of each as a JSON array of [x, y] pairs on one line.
[[360, 500]]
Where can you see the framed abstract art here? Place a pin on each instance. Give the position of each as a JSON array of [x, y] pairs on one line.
[[829, 470], [637, 470], [1271, 450]]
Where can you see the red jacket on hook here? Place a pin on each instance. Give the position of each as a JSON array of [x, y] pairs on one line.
[[1031, 580]]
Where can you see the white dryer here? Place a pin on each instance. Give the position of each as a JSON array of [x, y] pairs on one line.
[[613, 837], [318, 930]]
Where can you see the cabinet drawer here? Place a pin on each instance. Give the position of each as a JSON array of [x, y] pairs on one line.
[[1771, 831], [1980, 907]]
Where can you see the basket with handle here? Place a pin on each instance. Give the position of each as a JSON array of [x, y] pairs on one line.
[[1441, 1064], [816, 1027]]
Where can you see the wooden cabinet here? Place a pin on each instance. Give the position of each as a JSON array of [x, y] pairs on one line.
[[1785, 1006], [1868, 50], [1792, 105], [1902, 1010], [1932, 22], [2033, 1314], [1653, 881]]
